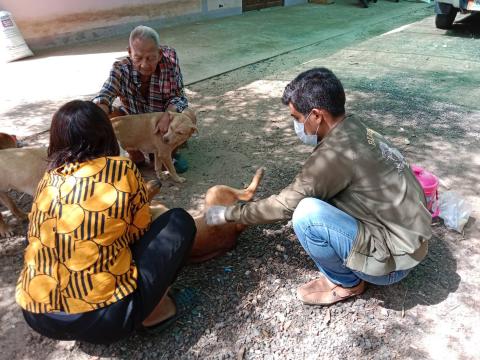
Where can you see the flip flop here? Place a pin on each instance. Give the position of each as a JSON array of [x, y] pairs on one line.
[[185, 300]]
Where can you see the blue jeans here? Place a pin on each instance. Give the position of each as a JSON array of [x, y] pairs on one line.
[[327, 234]]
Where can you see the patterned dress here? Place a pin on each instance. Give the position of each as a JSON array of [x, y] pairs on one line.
[[83, 220]]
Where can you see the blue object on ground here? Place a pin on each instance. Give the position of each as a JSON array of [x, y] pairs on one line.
[[180, 163]]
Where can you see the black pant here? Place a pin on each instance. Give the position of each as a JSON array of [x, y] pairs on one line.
[[158, 255]]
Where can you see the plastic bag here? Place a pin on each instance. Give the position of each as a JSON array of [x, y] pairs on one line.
[[454, 210], [12, 44]]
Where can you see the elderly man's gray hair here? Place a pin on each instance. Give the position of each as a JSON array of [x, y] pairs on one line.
[[144, 32]]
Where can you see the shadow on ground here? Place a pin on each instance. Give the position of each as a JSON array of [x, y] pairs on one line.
[[26, 116], [429, 283], [468, 27]]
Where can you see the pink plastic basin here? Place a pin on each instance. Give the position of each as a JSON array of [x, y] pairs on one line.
[[429, 183]]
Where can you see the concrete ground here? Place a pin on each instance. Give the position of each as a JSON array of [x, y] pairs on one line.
[[406, 79], [34, 88]]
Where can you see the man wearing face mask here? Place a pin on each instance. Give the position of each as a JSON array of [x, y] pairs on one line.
[[356, 206]]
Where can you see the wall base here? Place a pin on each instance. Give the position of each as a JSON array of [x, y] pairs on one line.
[[88, 30]]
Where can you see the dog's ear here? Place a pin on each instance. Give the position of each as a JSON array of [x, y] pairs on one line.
[[191, 115], [156, 129], [162, 123]]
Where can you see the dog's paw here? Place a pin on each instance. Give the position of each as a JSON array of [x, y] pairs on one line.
[[179, 179], [162, 175], [6, 230]]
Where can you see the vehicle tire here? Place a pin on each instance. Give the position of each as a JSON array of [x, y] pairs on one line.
[[445, 21]]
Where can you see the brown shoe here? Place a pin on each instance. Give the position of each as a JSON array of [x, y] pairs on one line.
[[322, 291]]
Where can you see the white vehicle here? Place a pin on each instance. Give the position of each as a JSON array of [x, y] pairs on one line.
[[446, 10]]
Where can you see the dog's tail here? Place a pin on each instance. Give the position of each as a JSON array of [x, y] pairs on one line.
[[247, 194]]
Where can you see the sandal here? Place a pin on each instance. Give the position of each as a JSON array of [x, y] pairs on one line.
[[185, 300], [322, 291]]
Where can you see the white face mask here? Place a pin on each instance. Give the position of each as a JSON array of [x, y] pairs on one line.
[[304, 137]]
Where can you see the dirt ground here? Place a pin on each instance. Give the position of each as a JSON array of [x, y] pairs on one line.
[[248, 307]]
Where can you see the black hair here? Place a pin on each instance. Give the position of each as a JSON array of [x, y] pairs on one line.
[[316, 88], [80, 131]]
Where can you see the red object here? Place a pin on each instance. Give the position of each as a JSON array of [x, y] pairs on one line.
[[429, 183]]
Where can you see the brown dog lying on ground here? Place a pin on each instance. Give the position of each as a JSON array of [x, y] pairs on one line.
[[21, 169], [211, 241], [140, 132]]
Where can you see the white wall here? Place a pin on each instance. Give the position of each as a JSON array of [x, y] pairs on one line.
[[46, 23], [32, 10]]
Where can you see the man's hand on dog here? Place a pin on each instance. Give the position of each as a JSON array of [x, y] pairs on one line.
[[215, 215]]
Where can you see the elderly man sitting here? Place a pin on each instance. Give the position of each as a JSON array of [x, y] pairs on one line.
[[148, 80]]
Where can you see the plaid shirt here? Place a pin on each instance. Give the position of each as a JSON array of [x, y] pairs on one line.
[[166, 86]]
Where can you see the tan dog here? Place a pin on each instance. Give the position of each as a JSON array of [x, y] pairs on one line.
[[140, 132], [211, 241], [21, 169]]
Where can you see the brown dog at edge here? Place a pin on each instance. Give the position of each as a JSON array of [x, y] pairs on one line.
[[7, 141], [21, 169], [211, 241], [140, 132]]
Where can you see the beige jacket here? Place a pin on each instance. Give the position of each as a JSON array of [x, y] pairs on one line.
[[361, 173]]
